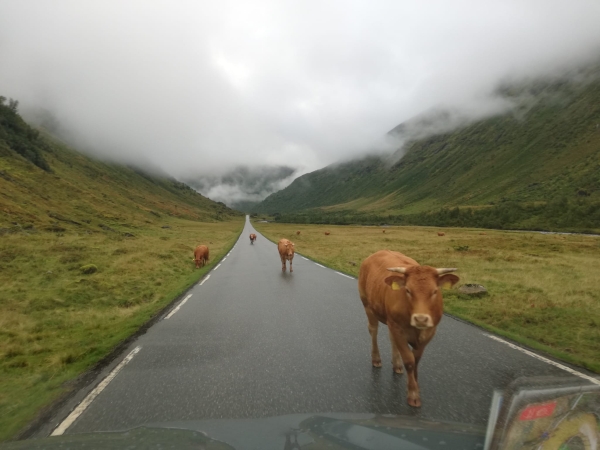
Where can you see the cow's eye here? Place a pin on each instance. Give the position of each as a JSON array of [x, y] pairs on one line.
[[408, 292], [435, 291]]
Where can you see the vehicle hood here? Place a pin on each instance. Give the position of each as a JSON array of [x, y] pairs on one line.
[[289, 432]]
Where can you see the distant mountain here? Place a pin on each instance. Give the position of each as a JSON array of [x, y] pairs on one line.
[[46, 185], [535, 167], [242, 187]]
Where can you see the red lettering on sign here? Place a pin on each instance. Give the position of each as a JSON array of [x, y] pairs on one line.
[[538, 411]]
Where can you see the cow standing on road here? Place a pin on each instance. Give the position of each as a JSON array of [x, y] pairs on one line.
[[252, 238], [397, 291], [286, 253], [201, 256]]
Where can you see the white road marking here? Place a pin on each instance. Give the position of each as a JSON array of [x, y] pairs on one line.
[[546, 360], [344, 275], [203, 281], [305, 259], [219, 265], [321, 266], [224, 258], [59, 430], [178, 306]]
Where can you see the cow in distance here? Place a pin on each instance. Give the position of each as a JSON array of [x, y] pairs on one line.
[[201, 256], [286, 253]]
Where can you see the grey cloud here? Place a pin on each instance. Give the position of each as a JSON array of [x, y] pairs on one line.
[[243, 184], [199, 87]]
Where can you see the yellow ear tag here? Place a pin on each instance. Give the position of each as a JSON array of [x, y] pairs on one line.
[[446, 285], [395, 286]]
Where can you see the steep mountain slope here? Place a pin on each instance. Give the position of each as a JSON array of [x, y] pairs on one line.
[[47, 186], [548, 149]]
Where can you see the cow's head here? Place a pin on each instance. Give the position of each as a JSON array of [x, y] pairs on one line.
[[421, 287], [289, 250]]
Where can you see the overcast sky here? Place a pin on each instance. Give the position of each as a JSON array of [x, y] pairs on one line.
[[202, 86]]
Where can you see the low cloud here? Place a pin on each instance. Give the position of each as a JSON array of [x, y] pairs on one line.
[[198, 87], [244, 184]]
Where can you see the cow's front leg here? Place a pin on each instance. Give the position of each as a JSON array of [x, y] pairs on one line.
[[413, 396], [283, 264], [373, 327], [418, 352], [291, 270], [396, 359]]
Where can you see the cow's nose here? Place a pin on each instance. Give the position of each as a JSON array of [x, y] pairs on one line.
[[421, 320]]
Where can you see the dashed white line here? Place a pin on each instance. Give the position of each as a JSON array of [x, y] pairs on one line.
[[224, 258], [546, 360], [344, 275], [178, 306], [59, 430], [321, 266], [203, 281], [218, 265], [305, 259]]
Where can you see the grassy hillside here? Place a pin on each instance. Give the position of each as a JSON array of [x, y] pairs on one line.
[[89, 252], [536, 167]]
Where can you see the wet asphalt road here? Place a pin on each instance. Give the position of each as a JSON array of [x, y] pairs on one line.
[[255, 342]]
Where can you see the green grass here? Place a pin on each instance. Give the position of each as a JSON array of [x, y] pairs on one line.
[[89, 252], [544, 290], [56, 321]]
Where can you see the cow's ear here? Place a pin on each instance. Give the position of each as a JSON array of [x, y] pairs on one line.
[[448, 280], [395, 282]]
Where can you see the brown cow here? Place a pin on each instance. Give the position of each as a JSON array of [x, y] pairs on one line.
[[397, 291], [384, 231], [327, 233], [252, 238], [441, 234], [201, 256], [286, 253], [298, 233]]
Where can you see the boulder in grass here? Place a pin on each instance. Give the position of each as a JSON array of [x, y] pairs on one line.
[[475, 290], [88, 269]]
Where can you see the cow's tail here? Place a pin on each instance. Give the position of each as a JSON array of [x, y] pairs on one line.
[[207, 254]]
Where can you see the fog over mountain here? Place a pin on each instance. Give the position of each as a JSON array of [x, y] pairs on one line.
[[243, 185], [197, 88]]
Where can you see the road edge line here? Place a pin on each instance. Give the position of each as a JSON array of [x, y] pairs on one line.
[[178, 306], [81, 407], [343, 274], [544, 359]]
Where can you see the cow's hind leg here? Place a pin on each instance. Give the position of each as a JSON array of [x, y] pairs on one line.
[[396, 358], [373, 326]]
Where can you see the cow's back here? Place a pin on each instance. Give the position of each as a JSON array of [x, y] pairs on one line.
[[201, 252], [281, 246], [371, 279]]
